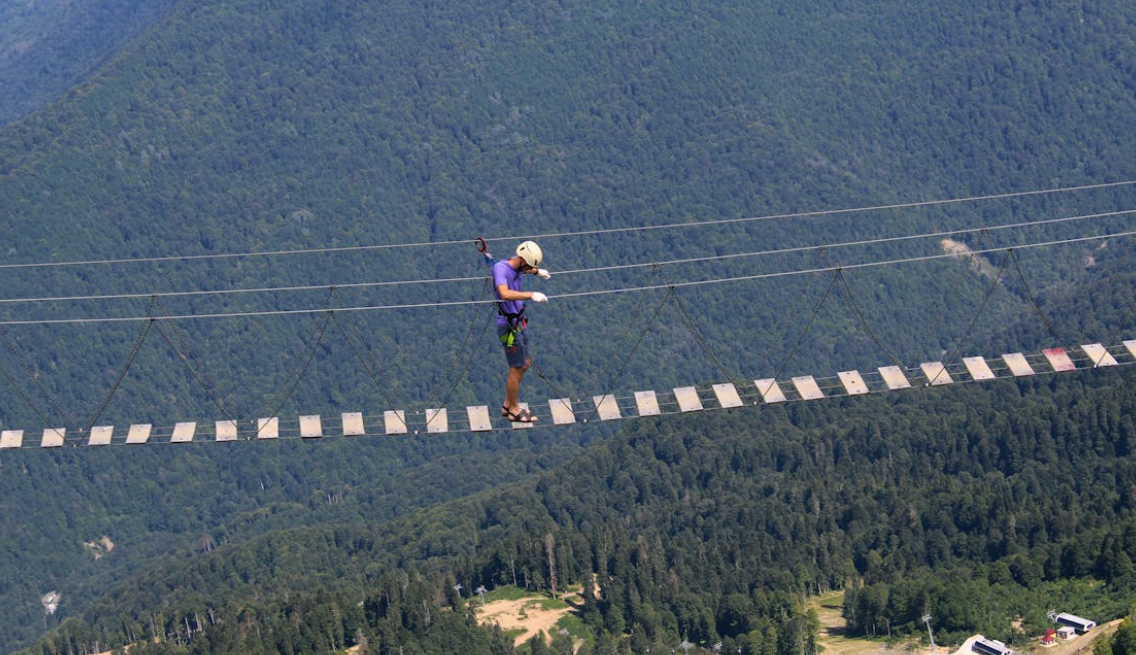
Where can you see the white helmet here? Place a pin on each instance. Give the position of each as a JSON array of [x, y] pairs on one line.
[[530, 252]]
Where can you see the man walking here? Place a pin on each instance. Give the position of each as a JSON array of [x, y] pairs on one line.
[[508, 286]]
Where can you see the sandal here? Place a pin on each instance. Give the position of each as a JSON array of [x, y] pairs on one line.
[[523, 416], [504, 410]]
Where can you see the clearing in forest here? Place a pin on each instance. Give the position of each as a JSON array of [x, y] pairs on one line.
[[524, 615]]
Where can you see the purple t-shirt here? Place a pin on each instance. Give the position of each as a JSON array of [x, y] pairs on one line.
[[505, 274]]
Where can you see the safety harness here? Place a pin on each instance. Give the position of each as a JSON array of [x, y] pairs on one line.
[[516, 322]]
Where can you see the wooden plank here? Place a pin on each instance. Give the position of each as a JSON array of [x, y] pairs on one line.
[[807, 387], [353, 424], [1098, 355], [727, 395], [183, 432], [1059, 359], [894, 378], [978, 368], [437, 421], [53, 437], [139, 433], [11, 438], [394, 421], [101, 435], [688, 400], [647, 403], [479, 418], [936, 373], [853, 383], [607, 408], [268, 428], [770, 391], [562, 413], [1018, 364], [311, 426], [226, 430]]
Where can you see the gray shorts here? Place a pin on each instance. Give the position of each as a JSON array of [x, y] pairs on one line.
[[517, 354]]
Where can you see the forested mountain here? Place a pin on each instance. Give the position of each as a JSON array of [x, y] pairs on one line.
[[49, 46], [977, 503], [78, 521], [310, 136], [250, 127]]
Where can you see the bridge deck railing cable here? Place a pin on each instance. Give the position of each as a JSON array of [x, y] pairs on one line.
[[570, 295], [597, 232], [984, 231]]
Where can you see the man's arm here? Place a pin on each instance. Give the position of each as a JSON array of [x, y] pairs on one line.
[[505, 293], [508, 294]]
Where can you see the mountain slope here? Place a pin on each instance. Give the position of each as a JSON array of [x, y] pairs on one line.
[[252, 126], [240, 127], [679, 514], [61, 508]]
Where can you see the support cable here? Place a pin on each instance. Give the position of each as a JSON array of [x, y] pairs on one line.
[[372, 372], [615, 267], [796, 345], [627, 360], [24, 396], [700, 339], [630, 327], [640, 228], [861, 242], [138, 341], [934, 329], [282, 395], [787, 321], [850, 302], [52, 401], [994, 284], [203, 379], [454, 375], [1033, 301], [579, 294]]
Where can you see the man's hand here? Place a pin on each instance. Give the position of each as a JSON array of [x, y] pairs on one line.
[[539, 297], [543, 272]]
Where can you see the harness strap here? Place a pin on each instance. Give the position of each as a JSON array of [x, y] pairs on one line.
[[513, 319]]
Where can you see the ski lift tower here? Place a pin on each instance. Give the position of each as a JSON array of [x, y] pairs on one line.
[[927, 620]]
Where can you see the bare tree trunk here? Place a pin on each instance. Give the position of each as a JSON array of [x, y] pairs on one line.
[[550, 547]]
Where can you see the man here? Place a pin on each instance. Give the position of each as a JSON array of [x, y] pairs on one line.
[[509, 289]]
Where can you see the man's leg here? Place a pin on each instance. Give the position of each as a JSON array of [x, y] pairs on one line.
[[513, 386]]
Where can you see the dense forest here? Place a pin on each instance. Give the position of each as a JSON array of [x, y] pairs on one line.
[[250, 127], [979, 504], [264, 157]]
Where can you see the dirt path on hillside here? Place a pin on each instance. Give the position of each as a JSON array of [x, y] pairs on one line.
[[527, 615]]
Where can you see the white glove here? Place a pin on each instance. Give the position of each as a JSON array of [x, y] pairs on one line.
[[539, 297], [543, 272]]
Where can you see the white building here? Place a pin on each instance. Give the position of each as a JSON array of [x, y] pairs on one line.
[[984, 646], [1077, 623]]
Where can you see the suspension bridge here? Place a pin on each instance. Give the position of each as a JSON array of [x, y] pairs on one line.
[[608, 407], [729, 393]]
